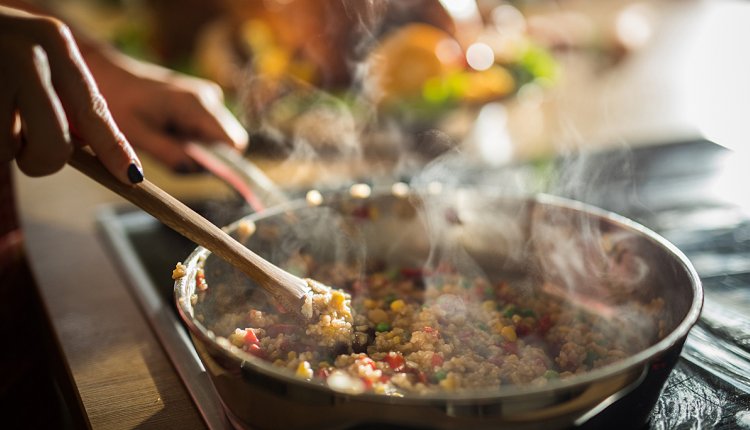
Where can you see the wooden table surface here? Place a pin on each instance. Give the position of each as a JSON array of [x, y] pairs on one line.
[[122, 375]]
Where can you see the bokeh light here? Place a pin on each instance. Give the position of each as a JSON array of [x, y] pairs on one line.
[[480, 56]]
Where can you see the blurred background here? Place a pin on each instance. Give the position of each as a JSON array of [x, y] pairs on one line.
[[387, 86]]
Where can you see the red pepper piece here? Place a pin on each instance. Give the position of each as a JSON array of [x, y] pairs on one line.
[[367, 361], [545, 323], [250, 337], [256, 351], [395, 361], [523, 329], [367, 382], [436, 360]]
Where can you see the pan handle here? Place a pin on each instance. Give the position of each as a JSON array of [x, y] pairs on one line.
[[258, 190]]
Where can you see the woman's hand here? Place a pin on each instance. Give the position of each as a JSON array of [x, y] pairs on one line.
[[47, 93], [160, 110]]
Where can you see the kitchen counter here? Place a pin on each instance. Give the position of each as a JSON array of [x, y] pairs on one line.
[[120, 371]]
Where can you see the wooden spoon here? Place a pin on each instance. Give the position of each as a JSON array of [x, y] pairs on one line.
[[289, 290]]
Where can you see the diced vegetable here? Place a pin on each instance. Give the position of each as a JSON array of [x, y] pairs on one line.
[[250, 337], [395, 361], [397, 305]]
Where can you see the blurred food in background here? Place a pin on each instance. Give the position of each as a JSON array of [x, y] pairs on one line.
[[340, 77], [354, 68]]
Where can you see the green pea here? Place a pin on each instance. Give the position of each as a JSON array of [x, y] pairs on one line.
[[381, 327], [440, 375]]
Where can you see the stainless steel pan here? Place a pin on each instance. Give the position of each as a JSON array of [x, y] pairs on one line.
[[545, 237]]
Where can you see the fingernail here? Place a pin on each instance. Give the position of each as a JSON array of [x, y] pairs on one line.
[[135, 174]]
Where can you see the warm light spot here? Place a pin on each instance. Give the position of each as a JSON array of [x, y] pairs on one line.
[[480, 56], [460, 9], [400, 189], [360, 191], [314, 198], [633, 27], [245, 229]]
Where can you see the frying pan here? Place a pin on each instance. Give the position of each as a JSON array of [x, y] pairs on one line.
[[544, 237]]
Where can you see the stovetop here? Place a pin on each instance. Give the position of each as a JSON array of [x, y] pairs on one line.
[[693, 193]]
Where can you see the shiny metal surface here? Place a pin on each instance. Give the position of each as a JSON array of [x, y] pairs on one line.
[[561, 404]]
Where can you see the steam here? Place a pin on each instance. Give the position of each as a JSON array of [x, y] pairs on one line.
[[466, 205]]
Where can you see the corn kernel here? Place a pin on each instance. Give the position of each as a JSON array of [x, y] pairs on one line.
[[509, 333], [488, 305], [378, 388], [337, 299], [237, 338], [497, 327], [449, 383], [516, 318], [291, 355], [304, 370], [397, 305]]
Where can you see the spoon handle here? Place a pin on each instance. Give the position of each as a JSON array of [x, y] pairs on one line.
[[288, 289]]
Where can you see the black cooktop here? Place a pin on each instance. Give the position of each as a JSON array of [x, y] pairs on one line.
[[693, 193]]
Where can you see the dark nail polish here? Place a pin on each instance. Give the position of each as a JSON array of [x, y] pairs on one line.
[[135, 174]]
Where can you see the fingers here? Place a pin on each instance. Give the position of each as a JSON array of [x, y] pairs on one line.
[[46, 146], [10, 130], [27, 89], [84, 105], [166, 148], [9, 123], [200, 111]]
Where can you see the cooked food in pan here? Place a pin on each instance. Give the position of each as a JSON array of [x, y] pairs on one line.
[[400, 330]]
